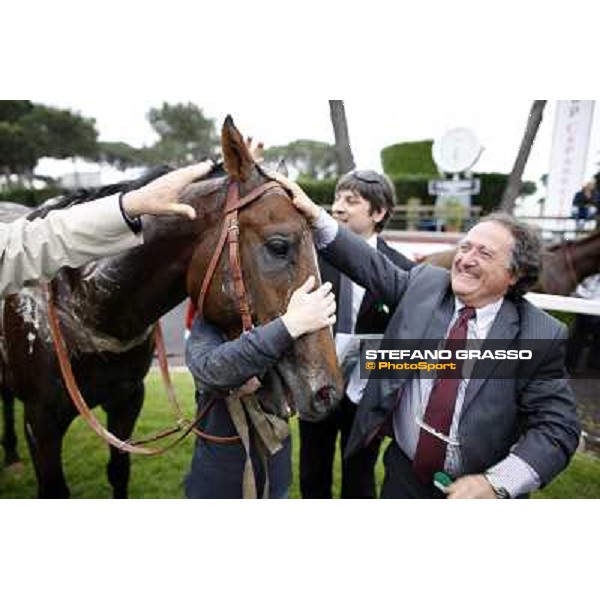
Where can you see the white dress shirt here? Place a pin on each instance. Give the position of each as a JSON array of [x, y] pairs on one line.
[[356, 385]]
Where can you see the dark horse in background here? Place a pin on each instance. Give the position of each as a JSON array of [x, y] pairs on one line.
[[564, 265], [109, 308], [8, 212]]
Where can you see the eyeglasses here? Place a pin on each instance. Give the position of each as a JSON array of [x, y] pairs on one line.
[[451, 441], [420, 421]]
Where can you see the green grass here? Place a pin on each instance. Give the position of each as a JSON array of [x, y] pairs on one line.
[[85, 457]]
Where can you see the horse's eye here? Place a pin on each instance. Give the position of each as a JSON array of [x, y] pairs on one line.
[[279, 248]]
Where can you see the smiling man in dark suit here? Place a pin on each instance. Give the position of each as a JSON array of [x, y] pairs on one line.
[[495, 437], [364, 201]]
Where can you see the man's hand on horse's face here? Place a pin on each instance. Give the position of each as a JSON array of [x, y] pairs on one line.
[[300, 200], [256, 149], [309, 309], [160, 197]]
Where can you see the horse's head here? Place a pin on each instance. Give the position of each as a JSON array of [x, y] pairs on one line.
[[277, 255]]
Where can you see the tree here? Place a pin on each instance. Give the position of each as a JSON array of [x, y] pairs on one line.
[[121, 155], [345, 160], [513, 187], [312, 159], [60, 133], [17, 152], [12, 110], [186, 135], [31, 131]]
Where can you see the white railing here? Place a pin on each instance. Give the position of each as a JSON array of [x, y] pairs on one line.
[[564, 303]]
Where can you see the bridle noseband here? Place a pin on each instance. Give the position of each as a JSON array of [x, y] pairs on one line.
[[230, 234]]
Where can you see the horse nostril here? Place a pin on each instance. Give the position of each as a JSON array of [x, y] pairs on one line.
[[327, 396]]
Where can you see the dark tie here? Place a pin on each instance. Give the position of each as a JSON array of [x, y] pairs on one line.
[[431, 450]]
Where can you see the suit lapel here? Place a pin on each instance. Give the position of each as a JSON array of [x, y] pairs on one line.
[[440, 318], [344, 313], [504, 327], [366, 304], [369, 298], [331, 274], [441, 311], [441, 315]]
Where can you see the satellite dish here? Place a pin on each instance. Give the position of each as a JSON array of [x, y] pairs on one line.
[[457, 150]]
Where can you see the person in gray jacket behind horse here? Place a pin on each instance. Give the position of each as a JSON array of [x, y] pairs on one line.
[[219, 365], [495, 437]]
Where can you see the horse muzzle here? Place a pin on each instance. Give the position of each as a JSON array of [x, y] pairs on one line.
[[311, 393], [323, 402]]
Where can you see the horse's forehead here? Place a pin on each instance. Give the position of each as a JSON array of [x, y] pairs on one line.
[[199, 190], [273, 211]]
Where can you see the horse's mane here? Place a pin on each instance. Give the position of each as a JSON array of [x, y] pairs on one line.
[[83, 195]]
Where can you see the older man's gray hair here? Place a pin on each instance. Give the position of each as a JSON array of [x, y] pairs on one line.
[[526, 261]]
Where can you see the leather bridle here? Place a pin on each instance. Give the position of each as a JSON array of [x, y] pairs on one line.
[[229, 234]]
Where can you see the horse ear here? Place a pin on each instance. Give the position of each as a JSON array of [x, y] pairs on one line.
[[282, 168], [236, 156]]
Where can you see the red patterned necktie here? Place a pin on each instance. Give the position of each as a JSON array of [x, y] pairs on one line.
[[431, 450]]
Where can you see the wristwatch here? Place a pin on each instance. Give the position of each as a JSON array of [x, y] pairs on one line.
[[500, 491]]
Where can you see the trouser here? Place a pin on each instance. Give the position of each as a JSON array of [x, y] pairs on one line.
[[217, 469], [584, 335], [317, 452], [400, 480]]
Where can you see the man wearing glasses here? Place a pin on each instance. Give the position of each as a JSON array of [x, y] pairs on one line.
[[364, 201], [492, 438]]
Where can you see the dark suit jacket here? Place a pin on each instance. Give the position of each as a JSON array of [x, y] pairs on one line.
[[532, 415], [371, 318]]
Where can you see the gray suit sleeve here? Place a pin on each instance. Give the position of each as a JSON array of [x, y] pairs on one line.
[[218, 364], [547, 402], [366, 266]]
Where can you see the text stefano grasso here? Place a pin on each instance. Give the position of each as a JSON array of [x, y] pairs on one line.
[[496, 354]]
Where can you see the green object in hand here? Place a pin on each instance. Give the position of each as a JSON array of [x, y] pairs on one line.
[[442, 481]]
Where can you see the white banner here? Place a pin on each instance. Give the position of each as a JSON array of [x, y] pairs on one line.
[[572, 129]]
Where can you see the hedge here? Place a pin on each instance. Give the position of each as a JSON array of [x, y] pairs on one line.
[[409, 157], [415, 186]]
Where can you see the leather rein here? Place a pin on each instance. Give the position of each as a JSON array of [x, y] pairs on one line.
[[183, 427]]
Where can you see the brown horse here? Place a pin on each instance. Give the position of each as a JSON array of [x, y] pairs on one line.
[[564, 265], [108, 310]]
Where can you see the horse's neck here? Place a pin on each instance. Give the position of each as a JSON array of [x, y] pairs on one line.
[[586, 256], [124, 295]]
